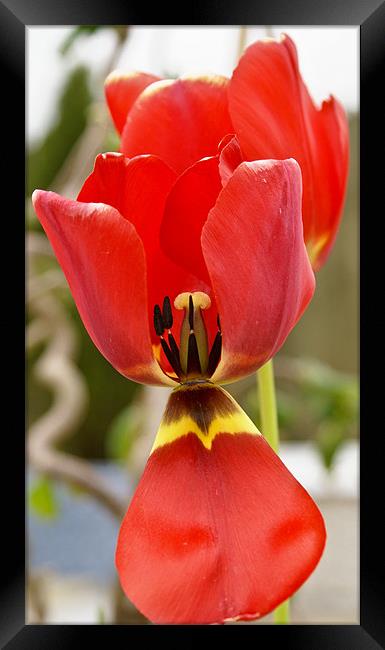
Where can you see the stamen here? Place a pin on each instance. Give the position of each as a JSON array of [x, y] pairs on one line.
[[158, 321], [173, 346], [193, 365], [192, 360], [167, 313], [215, 354], [174, 363]]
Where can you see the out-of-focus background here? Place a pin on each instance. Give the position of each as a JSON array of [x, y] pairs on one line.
[[90, 429]]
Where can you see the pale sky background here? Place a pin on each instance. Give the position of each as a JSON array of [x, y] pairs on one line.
[[328, 57]]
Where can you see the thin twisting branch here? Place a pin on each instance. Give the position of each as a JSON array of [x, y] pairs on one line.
[[55, 368]]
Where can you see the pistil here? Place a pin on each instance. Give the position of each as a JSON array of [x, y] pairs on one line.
[[194, 357]]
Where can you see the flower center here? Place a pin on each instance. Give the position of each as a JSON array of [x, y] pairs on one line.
[[192, 359]]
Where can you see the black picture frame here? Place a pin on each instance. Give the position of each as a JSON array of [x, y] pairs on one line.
[[15, 16]]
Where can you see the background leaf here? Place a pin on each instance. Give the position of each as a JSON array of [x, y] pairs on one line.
[[42, 499]]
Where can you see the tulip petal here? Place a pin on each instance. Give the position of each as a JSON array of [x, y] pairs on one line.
[[138, 188], [275, 117], [121, 90], [180, 120], [218, 528], [261, 276], [230, 158], [186, 210], [104, 262], [187, 207]]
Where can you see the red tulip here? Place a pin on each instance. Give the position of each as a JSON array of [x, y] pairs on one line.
[[266, 105], [188, 281]]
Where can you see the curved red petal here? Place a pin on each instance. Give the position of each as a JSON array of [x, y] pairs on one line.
[[261, 276], [186, 210], [136, 187], [216, 533], [103, 260], [139, 188], [121, 90], [275, 117], [230, 158], [330, 153], [180, 120]]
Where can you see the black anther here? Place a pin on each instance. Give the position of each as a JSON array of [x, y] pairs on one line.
[[167, 313], [158, 321], [215, 354]]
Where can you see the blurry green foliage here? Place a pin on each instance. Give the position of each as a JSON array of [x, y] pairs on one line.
[[109, 393], [101, 617], [82, 31], [333, 398], [286, 408], [46, 158], [42, 499], [316, 403], [38, 398], [123, 431], [329, 438], [112, 141], [75, 34], [333, 394]]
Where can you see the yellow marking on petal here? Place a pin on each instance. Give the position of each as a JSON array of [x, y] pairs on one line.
[[315, 247], [169, 378], [205, 410], [156, 350], [156, 87], [118, 75], [213, 79]]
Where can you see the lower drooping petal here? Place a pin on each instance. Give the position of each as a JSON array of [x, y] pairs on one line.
[[260, 273], [218, 528], [104, 262]]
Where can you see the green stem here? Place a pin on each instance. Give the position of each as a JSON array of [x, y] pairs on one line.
[[268, 405], [269, 425]]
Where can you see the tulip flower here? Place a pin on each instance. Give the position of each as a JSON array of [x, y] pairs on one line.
[[266, 105], [191, 280]]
